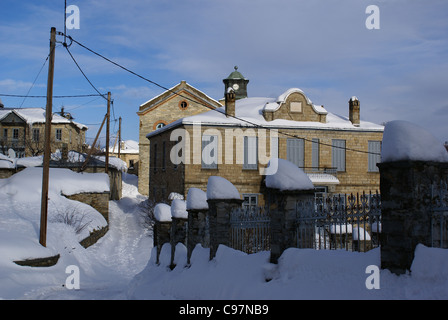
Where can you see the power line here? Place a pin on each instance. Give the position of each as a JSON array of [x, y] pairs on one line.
[[211, 108], [73, 58], [69, 96], [35, 79]]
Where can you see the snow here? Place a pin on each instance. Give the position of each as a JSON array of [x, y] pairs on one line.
[[162, 212], [127, 146], [179, 209], [196, 199], [221, 188], [299, 274], [403, 140], [20, 202], [6, 162], [121, 265], [360, 233], [287, 176], [72, 157]]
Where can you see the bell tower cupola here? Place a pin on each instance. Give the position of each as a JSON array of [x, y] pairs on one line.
[[238, 83]]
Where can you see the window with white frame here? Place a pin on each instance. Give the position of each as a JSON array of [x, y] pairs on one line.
[[58, 134], [250, 200]]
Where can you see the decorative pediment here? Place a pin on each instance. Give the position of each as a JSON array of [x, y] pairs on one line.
[[296, 106], [12, 118]]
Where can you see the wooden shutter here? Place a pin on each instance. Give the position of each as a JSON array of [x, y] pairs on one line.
[[315, 154], [295, 151], [209, 152], [338, 154], [250, 153], [374, 155]]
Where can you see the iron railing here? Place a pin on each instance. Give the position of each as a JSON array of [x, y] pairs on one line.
[[439, 215], [250, 229], [350, 222]]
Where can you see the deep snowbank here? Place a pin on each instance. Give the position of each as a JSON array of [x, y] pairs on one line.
[[300, 274], [20, 208]]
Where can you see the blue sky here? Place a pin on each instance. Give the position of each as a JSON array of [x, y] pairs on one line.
[[399, 71]]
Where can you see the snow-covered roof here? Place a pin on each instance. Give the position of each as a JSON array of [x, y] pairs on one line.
[[249, 113], [127, 146], [37, 115]]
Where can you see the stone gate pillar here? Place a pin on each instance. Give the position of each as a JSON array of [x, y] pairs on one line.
[[283, 210], [198, 231], [219, 220], [406, 209]]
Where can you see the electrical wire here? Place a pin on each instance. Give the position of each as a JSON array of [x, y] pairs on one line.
[[72, 96], [35, 79], [74, 60]]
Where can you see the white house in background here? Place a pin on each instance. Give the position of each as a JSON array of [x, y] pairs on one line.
[[129, 153]]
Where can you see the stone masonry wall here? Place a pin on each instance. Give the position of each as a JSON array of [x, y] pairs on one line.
[[99, 201], [406, 209]]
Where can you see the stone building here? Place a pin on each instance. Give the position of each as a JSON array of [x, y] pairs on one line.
[[182, 100], [23, 130], [338, 153]]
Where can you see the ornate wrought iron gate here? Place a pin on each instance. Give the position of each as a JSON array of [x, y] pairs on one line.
[[351, 222], [250, 229]]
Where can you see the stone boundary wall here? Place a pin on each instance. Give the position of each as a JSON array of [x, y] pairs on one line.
[[94, 236], [97, 200]]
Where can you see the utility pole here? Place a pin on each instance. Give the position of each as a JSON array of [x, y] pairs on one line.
[[119, 137], [107, 133], [47, 150]]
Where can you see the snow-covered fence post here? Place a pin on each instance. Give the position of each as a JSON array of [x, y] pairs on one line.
[[179, 218], [222, 197], [288, 185], [162, 227], [412, 161], [197, 231]]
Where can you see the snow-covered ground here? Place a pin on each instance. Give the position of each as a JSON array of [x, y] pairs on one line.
[[121, 265], [105, 268]]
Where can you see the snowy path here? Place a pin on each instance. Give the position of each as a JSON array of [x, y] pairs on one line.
[[107, 267]]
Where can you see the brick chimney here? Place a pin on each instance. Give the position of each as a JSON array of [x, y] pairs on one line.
[[230, 103], [354, 113]]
